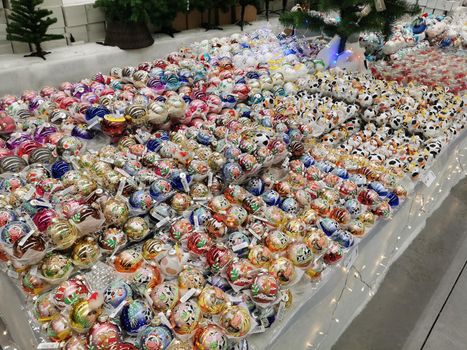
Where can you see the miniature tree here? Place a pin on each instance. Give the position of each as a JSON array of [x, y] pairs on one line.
[[355, 16], [28, 23]]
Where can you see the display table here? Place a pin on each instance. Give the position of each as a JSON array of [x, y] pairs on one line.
[[321, 312]]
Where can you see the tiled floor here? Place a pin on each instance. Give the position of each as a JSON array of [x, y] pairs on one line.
[[422, 303]]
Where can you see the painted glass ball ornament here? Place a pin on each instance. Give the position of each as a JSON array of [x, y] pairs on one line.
[[70, 292], [113, 125], [55, 267], [212, 300], [283, 270], [300, 254], [128, 260], [85, 252], [147, 276], [104, 336], [116, 293], [185, 317], [135, 316], [155, 338], [236, 321], [136, 229], [199, 243], [44, 308], [209, 338], [12, 232], [165, 296], [111, 238], [265, 289], [240, 273], [116, 212], [190, 278], [84, 313], [59, 329]]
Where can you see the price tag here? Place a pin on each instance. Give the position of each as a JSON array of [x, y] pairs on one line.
[[118, 309], [121, 186], [185, 184], [281, 311], [196, 222], [164, 320], [210, 175], [188, 295], [49, 345], [259, 329], [30, 193], [254, 234], [236, 299], [350, 259], [239, 246], [162, 223], [25, 238], [380, 5], [12, 274], [93, 122], [428, 178], [139, 139], [122, 172]]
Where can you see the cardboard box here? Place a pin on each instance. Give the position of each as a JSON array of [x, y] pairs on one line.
[[52, 3], [194, 19], [53, 44], [94, 15], [180, 22], [250, 13], [225, 17], [19, 47], [58, 14], [74, 16], [96, 31], [80, 33], [5, 47]]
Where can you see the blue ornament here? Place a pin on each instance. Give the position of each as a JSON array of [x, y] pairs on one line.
[[324, 166], [229, 101], [96, 111], [135, 316], [344, 238], [418, 25], [13, 232], [289, 205], [329, 226], [307, 160], [232, 172], [140, 200], [271, 197], [235, 240], [252, 75], [187, 99], [378, 188], [255, 186], [82, 132], [393, 199], [342, 173], [176, 180], [158, 337], [154, 144], [117, 293], [204, 138], [60, 168], [202, 214], [160, 190]]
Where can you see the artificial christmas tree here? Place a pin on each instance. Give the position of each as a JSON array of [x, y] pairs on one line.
[[355, 16], [212, 7], [28, 23]]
